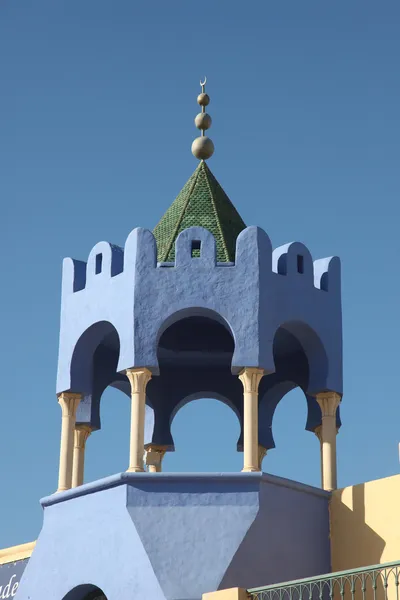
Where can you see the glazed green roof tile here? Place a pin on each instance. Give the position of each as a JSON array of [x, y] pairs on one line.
[[203, 203]]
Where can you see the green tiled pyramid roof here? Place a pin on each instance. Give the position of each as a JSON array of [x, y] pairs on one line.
[[203, 203]]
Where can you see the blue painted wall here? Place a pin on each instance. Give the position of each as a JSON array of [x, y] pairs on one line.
[[177, 536], [283, 315], [260, 293]]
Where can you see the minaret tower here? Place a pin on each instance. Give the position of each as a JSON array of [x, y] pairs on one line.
[[248, 312], [200, 307]]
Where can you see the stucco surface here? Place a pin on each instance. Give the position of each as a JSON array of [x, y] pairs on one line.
[[288, 540], [177, 536], [252, 298], [89, 540], [272, 305], [364, 524]]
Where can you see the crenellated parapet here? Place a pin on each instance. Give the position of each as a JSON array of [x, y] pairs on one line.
[[108, 260], [125, 293], [105, 260]]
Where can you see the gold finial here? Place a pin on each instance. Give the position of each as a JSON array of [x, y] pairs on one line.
[[202, 147]]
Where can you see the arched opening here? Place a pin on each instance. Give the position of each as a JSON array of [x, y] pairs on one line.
[[204, 333], [286, 408], [107, 395], [205, 433], [94, 368], [85, 592], [195, 350], [96, 350], [107, 450], [300, 355], [195, 315], [296, 454]]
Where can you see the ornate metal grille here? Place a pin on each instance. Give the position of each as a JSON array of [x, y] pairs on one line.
[[377, 582]]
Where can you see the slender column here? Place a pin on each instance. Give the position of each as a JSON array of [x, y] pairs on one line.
[[250, 378], [318, 433], [138, 378], [82, 433], [154, 456], [328, 401], [262, 452], [69, 403]]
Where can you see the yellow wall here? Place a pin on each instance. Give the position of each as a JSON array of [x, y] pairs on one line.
[[365, 524]]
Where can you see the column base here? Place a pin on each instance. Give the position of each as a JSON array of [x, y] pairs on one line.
[[135, 470], [250, 470]]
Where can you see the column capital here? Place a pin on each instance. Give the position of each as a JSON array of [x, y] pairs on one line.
[[262, 452], [328, 402], [250, 378], [82, 433], [154, 457], [138, 378], [155, 448], [69, 403], [318, 432]]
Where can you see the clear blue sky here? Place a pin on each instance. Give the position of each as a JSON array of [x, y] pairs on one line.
[[97, 104]]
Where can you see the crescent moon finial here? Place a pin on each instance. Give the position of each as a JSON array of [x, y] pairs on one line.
[[202, 147]]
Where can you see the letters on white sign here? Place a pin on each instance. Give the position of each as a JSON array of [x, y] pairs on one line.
[[9, 590]]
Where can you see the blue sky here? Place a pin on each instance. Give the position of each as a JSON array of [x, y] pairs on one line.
[[96, 122]]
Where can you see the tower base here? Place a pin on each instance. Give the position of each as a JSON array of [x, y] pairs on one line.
[[177, 536]]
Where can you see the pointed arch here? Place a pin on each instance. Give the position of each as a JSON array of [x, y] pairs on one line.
[[100, 337], [195, 349], [293, 339], [194, 312]]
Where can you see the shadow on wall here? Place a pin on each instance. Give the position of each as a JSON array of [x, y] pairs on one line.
[[291, 533], [288, 540], [354, 540], [355, 544]]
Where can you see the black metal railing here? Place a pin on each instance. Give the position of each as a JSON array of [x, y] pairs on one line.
[[377, 582]]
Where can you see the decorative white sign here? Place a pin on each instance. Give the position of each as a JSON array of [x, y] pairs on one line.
[[10, 576]]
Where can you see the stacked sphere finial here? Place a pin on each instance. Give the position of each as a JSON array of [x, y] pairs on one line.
[[202, 147]]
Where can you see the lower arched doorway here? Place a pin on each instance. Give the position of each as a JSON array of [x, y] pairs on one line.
[[86, 592], [96, 594]]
